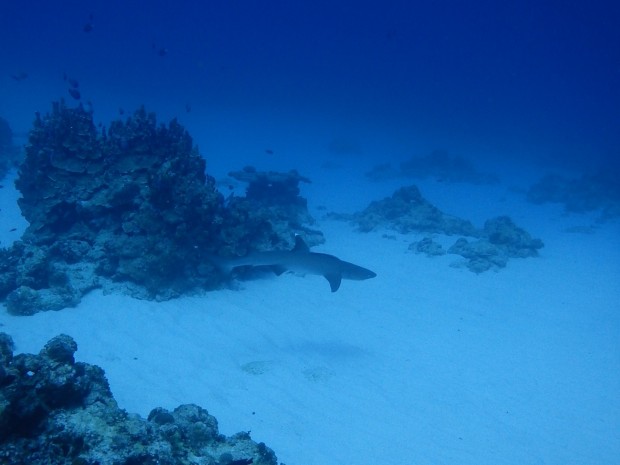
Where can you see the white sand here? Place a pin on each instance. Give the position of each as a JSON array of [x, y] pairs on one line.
[[425, 364]]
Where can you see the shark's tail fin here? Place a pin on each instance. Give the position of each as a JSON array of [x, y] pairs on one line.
[[222, 265]]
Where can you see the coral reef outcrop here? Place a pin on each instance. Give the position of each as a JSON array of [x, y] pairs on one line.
[[502, 239], [407, 211], [54, 410], [276, 196], [590, 192], [439, 164], [128, 208]]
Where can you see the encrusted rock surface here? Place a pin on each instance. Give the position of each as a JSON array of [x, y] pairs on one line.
[[502, 240], [407, 211], [428, 247], [56, 411], [129, 208], [275, 195]]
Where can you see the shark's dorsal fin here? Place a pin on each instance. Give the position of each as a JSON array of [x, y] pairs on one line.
[[300, 245]]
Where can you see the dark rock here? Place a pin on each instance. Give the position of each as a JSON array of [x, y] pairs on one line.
[[481, 255], [439, 164], [427, 246], [276, 196], [60, 349], [6, 349], [54, 410], [590, 192], [382, 172], [407, 211], [27, 301], [271, 187], [161, 416], [131, 207], [515, 241], [502, 240]]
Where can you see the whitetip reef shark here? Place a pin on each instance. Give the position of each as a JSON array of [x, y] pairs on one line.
[[299, 260]]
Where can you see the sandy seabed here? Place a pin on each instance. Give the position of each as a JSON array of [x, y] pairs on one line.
[[426, 364]]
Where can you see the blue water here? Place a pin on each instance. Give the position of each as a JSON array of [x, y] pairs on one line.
[[334, 88], [534, 80]]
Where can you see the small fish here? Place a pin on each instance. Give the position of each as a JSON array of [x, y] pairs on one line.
[[161, 51], [19, 76], [74, 93], [188, 108], [89, 25], [72, 82], [269, 151], [121, 111], [12, 229]]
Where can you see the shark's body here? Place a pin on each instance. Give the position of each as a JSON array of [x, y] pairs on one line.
[[300, 260]]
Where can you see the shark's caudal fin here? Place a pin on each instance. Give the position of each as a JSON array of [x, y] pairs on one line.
[[222, 265]]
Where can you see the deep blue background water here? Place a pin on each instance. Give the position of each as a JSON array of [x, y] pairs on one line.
[[529, 79]]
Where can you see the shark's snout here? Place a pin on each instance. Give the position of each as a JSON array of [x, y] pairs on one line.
[[356, 272], [369, 274]]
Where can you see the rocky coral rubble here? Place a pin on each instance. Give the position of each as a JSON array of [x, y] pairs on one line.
[[439, 164], [277, 196], [502, 240], [56, 411], [427, 246], [129, 208], [408, 211]]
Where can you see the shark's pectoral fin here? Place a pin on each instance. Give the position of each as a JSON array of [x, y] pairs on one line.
[[334, 281]]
